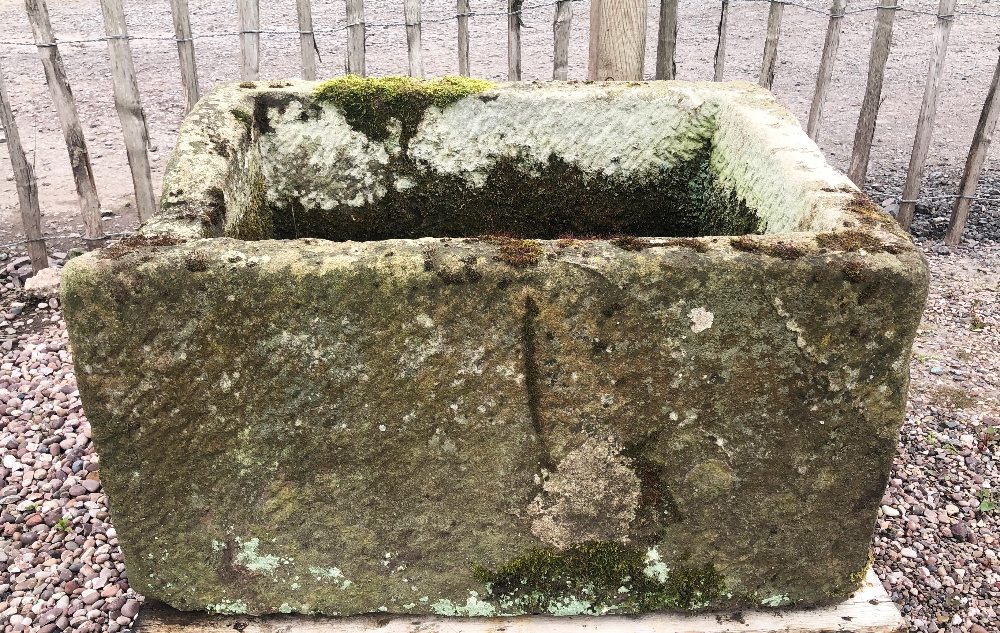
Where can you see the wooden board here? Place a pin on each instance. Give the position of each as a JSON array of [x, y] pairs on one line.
[[869, 611]]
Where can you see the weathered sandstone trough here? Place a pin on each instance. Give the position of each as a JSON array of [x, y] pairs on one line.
[[467, 349]]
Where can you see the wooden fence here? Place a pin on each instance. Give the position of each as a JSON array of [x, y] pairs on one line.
[[617, 46]]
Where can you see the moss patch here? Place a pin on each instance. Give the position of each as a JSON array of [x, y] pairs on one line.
[[783, 250], [243, 117], [129, 244], [369, 104], [597, 573], [631, 243], [688, 242], [518, 253], [851, 240]]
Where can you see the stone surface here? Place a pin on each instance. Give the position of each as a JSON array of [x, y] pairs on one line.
[[497, 425], [45, 283]]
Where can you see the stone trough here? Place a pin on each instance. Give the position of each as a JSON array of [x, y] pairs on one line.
[[466, 349]]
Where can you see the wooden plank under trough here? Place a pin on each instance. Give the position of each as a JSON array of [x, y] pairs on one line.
[[869, 611]]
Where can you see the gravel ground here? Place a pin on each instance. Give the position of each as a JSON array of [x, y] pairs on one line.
[[935, 544]]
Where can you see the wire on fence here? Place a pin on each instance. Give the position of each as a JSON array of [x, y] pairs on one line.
[[327, 31], [450, 17], [69, 236]]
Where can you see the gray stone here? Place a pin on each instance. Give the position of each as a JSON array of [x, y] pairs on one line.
[[450, 410], [44, 283]]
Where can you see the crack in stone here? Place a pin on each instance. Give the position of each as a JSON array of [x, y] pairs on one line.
[[531, 377]]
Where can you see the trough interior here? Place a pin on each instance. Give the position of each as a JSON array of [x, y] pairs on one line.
[[515, 165], [546, 200]]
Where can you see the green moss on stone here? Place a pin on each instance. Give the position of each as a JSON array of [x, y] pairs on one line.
[[369, 104], [129, 244], [688, 242], [608, 576], [516, 252], [850, 240], [782, 250], [243, 117], [631, 243]]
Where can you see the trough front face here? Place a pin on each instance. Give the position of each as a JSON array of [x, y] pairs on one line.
[[470, 349]]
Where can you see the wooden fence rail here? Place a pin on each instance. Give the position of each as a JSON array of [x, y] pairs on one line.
[[928, 110], [24, 179], [185, 52], [69, 121], [616, 51]]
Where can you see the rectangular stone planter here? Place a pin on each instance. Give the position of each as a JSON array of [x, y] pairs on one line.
[[462, 349]]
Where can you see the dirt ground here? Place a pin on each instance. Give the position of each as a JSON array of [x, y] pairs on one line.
[[971, 59]]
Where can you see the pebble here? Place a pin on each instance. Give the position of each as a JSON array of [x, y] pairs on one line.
[[61, 568], [937, 554]]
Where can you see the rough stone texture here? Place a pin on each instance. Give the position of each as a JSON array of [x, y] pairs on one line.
[[497, 425]]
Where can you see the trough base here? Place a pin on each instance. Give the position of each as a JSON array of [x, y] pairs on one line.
[[868, 611]]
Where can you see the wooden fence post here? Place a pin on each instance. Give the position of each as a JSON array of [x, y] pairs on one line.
[[463, 37], [826, 62], [307, 39], [928, 110], [249, 14], [560, 37], [24, 179], [69, 120], [185, 52], [720, 48], [514, 39], [771, 44], [666, 41], [617, 40], [129, 106], [414, 48], [974, 165], [881, 39], [356, 37]]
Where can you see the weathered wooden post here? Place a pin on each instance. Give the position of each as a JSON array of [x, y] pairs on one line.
[[928, 110], [666, 42], [414, 47], [249, 14], [771, 44], [356, 37], [185, 52], [69, 121], [514, 39], [463, 37], [881, 40], [974, 164], [825, 74], [560, 36], [617, 40], [720, 48], [129, 106], [24, 180], [307, 38]]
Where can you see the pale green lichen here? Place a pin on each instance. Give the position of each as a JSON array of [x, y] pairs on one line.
[[655, 567], [775, 601], [228, 607], [249, 557], [473, 607]]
